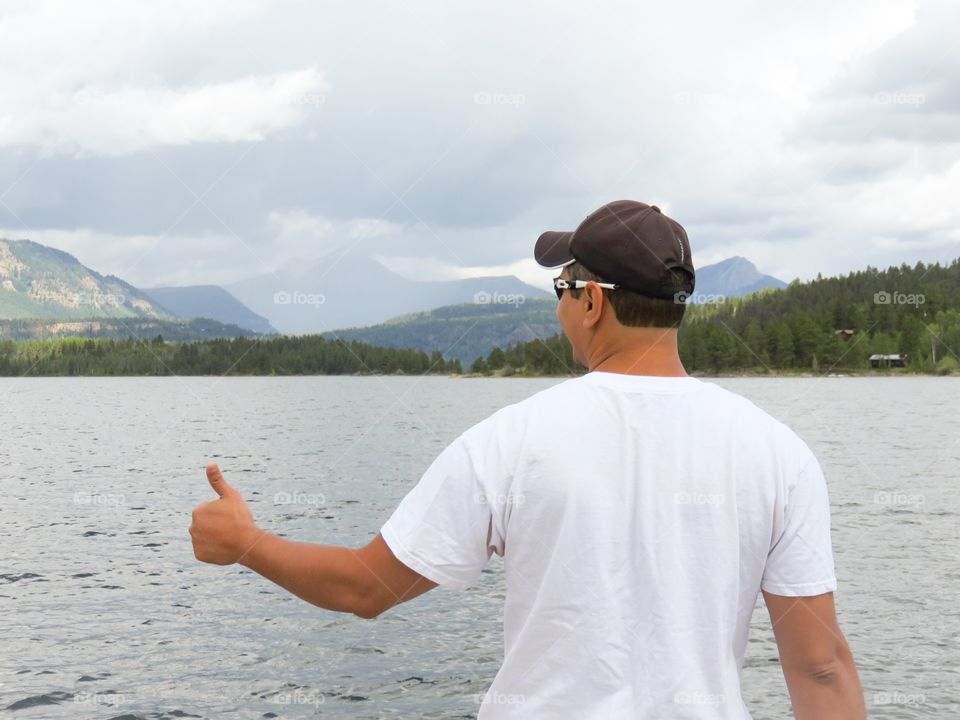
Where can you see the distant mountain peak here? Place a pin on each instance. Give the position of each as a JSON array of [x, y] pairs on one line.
[[47, 250], [211, 302], [733, 277]]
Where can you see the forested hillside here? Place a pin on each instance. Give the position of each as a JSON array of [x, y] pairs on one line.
[[823, 325]]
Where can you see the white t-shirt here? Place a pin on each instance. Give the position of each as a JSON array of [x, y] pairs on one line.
[[638, 518]]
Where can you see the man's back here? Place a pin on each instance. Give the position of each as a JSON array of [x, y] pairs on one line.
[[636, 516], [640, 512]]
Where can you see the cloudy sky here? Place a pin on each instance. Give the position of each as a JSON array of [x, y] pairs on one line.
[[183, 142]]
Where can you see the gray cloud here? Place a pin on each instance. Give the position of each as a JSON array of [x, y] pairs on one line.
[[459, 133], [905, 90]]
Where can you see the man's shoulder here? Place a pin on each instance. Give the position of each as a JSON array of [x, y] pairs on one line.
[[748, 418], [732, 402], [551, 395], [539, 407]]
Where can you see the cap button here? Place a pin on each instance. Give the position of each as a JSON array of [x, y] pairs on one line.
[[655, 208]]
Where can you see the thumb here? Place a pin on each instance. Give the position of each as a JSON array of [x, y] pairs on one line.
[[220, 486]]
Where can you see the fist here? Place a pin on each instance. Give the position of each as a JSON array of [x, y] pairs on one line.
[[222, 530]]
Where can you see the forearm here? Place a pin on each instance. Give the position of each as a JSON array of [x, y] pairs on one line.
[[365, 582], [323, 575], [833, 694]]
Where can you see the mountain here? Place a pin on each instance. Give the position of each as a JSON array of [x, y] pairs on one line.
[[209, 301], [350, 290], [733, 277], [44, 283], [466, 332], [462, 332]]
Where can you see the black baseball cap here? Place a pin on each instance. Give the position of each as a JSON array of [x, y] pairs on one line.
[[625, 242]]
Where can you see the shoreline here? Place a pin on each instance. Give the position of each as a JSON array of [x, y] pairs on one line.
[[502, 375]]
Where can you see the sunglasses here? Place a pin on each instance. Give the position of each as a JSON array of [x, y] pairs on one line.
[[561, 284]]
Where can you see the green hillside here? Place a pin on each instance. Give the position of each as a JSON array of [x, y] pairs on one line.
[[463, 332], [43, 283]]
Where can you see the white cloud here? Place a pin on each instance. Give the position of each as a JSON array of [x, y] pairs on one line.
[[102, 120], [113, 78]]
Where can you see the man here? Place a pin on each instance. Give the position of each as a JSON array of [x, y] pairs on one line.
[[639, 512]]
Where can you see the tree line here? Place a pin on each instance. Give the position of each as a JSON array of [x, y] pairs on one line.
[[299, 355]]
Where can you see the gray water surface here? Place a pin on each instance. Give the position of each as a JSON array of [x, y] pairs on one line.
[[105, 613]]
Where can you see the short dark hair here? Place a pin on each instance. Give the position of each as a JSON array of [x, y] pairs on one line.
[[636, 310]]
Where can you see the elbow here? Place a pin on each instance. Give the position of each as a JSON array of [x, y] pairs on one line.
[[831, 670], [369, 604], [827, 673], [367, 612]]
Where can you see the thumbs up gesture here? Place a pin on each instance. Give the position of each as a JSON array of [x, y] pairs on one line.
[[222, 529]]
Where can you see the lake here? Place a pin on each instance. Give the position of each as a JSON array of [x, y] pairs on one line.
[[105, 613]]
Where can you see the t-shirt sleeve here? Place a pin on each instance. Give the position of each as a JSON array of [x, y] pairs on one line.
[[454, 519], [800, 561]]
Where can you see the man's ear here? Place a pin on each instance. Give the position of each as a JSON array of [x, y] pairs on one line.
[[593, 296]]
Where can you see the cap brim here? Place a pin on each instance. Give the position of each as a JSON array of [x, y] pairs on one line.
[[553, 249]]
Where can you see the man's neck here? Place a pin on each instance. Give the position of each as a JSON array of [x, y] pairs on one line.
[[655, 355], [644, 366]]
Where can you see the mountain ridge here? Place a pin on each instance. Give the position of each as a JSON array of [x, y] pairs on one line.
[[347, 293], [46, 292], [211, 302], [45, 283], [733, 277], [467, 331], [324, 297]]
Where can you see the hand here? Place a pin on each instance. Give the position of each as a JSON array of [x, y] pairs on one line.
[[222, 529]]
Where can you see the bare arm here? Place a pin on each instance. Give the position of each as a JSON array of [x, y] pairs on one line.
[[816, 659], [365, 582]]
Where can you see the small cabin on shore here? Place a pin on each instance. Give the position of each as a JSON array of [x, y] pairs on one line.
[[888, 361]]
